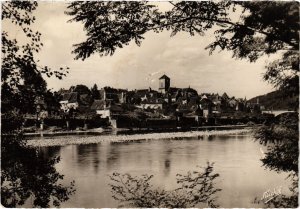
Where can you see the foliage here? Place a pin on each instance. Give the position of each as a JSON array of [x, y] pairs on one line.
[[21, 78], [128, 107], [24, 174], [95, 92], [262, 28], [194, 188], [81, 89], [52, 100], [285, 201], [282, 138], [111, 25], [283, 74], [283, 135], [277, 100]]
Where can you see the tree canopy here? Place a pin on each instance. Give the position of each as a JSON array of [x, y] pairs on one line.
[[283, 153], [24, 174], [21, 74], [81, 89], [95, 92], [262, 27]]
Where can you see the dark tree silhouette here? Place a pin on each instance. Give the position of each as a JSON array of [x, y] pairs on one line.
[[195, 187], [282, 154], [24, 174], [95, 92], [263, 27], [21, 76], [81, 89], [52, 101]]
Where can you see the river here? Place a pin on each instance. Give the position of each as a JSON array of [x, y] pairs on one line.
[[236, 157]]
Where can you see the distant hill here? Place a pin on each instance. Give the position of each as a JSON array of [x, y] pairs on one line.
[[277, 100]]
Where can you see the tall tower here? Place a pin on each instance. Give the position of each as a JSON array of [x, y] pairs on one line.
[[164, 84]]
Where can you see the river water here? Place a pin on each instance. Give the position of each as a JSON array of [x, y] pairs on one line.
[[236, 158]]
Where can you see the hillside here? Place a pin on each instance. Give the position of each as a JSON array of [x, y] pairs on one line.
[[277, 100]]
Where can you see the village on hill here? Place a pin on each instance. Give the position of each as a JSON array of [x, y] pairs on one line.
[[165, 107]]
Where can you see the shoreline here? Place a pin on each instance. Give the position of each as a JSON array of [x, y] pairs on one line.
[[102, 130], [62, 141]]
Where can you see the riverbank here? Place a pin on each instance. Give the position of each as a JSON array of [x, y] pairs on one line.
[[101, 131], [61, 141]]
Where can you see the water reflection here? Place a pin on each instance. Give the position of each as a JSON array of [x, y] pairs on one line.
[[48, 152], [96, 159], [236, 157], [113, 156], [29, 177], [167, 159]]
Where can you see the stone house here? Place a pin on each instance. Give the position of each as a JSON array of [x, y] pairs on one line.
[[112, 94], [69, 101], [106, 109]]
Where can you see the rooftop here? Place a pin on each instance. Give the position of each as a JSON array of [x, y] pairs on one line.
[[70, 97], [164, 77]]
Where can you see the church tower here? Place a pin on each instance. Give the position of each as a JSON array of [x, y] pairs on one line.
[[164, 84]]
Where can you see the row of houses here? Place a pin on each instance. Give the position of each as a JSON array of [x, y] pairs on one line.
[[166, 100]]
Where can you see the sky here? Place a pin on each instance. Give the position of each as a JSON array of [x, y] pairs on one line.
[[183, 58]]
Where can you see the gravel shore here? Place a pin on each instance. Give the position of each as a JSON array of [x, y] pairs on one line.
[[61, 141]]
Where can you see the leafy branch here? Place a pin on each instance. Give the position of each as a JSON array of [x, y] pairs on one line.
[[194, 188]]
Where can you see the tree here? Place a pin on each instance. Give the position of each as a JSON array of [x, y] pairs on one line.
[[194, 188], [21, 76], [283, 74], [52, 100], [282, 155], [81, 89], [23, 173], [262, 28], [95, 92]]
